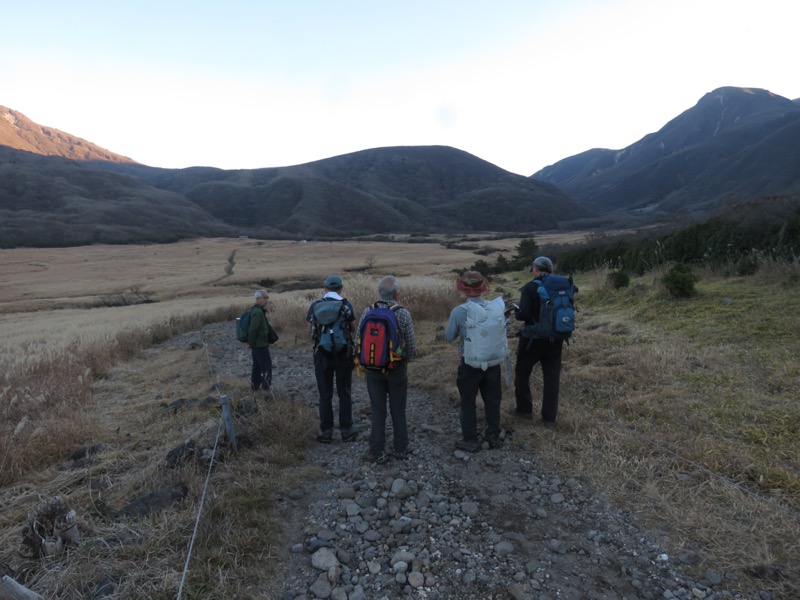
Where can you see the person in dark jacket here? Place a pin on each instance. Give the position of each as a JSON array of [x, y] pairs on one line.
[[530, 351], [258, 342], [334, 366]]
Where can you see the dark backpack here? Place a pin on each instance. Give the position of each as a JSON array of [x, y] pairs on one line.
[[333, 332], [242, 325], [556, 310], [379, 343]]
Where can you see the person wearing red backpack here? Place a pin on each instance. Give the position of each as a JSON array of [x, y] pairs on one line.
[[389, 381]]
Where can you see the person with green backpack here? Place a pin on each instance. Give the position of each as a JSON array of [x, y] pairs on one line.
[[258, 340]]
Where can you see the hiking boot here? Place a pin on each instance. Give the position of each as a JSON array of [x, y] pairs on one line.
[[325, 437], [469, 445], [495, 442], [549, 424], [350, 434], [521, 415], [378, 459], [401, 454]]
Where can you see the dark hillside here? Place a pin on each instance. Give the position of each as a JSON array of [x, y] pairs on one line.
[[735, 144], [51, 201], [402, 189]]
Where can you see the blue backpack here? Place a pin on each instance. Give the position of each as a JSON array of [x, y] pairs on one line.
[[333, 333], [556, 310]]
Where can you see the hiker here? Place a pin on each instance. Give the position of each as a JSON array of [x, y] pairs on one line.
[[532, 350], [332, 318], [481, 329], [258, 342], [388, 379]]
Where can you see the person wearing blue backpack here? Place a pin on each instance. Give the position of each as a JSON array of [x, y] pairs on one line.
[[332, 319], [547, 307]]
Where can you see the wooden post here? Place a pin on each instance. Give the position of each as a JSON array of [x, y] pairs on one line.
[[227, 418], [11, 590], [66, 529]]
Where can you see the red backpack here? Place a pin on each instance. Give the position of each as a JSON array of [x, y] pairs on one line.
[[379, 342]]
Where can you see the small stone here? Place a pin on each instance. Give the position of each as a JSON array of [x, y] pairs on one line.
[[416, 579], [402, 555], [400, 566], [470, 509], [321, 588], [503, 548], [323, 559]]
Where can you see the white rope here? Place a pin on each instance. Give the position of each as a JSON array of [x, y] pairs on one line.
[[205, 486], [199, 514]]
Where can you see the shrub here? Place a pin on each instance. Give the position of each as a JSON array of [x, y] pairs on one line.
[[679, 281], [747, 265], [618, 279]]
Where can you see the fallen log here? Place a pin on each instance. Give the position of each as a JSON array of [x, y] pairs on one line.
[[11, 590]]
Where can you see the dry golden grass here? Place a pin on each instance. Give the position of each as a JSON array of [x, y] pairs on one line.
[[684, 412], [687, 415]]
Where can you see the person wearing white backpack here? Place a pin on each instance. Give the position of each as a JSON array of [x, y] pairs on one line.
[[480, 325]]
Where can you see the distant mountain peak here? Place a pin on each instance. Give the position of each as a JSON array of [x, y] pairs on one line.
[[19, 132], [735, 143]]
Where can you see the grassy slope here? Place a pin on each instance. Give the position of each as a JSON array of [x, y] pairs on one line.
[[684, 411]]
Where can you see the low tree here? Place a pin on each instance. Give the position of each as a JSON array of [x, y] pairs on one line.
[[679, 281], [525, 252]]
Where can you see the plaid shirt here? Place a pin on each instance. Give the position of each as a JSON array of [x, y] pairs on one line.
[[404, 323]]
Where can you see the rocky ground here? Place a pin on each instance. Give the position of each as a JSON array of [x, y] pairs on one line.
[[448, 524]]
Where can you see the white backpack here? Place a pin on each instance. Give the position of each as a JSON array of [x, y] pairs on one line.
[[485, 341]]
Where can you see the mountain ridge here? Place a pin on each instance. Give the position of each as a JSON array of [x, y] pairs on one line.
[[735, 143], [19, 132]]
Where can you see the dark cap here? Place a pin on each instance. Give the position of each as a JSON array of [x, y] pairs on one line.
[[543, 264], [333, 282]]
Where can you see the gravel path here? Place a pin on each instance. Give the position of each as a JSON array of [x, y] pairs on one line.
[[447, 524]]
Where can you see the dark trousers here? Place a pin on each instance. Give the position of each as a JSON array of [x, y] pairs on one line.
[[328, 367], [549, 355], [394, 385], [261, 373], [470, 381]]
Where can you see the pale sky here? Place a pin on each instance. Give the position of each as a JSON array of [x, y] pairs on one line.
[[248, 84]]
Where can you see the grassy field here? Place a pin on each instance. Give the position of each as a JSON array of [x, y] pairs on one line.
[[684, 411]]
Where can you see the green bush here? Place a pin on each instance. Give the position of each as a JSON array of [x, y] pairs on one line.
[[679, 281], [618, 279], [747, 265]]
